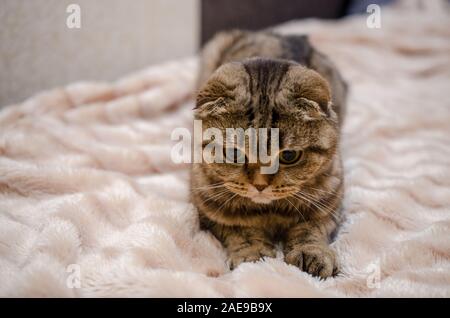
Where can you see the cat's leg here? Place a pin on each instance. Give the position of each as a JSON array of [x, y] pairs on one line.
[[306, 247], [243, 244], [247, 245]]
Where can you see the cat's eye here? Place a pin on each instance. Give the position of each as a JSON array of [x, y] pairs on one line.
[[290, 157], [234, 155]]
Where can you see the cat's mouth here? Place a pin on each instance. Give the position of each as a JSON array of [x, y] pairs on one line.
[[266, 196], [261, 199]]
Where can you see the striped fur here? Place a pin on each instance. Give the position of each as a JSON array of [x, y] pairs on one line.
[[264, 80]]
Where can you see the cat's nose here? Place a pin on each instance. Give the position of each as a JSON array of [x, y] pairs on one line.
[[260, 187]]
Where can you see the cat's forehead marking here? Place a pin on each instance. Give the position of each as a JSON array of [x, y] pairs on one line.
[[265, 77]]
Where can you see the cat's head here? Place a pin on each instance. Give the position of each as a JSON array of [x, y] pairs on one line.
[[267, 93]]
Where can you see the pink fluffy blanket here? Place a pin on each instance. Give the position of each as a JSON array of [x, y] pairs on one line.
[[92, 205]]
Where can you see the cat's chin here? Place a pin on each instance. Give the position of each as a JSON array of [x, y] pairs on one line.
[[261, 200]]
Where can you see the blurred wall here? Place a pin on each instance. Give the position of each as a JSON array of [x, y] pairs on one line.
[[38, 51]]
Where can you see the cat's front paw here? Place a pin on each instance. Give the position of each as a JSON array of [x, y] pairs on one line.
[[250, 253], [315, 259]]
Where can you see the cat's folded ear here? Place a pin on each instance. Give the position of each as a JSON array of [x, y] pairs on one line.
[[310, 94], [206, 107], [222, 91], [211, 99], [311, 110]]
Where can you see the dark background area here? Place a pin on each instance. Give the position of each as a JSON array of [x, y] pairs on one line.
[[217, 15]]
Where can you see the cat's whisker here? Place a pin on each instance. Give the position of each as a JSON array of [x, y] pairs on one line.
[[332, 194], [322, 190], [300, 196], [224, 203], [319, 190], [295, 208], [205, 190], [209, 187], [216, 196], [316, 200], [319, 205]]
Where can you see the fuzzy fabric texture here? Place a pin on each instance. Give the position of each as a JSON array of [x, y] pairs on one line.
[[91, 204]]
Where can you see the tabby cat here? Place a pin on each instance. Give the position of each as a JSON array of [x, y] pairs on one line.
[[265, 80]]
